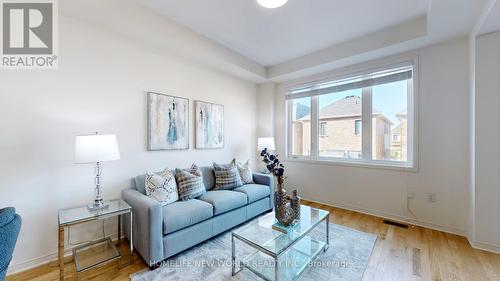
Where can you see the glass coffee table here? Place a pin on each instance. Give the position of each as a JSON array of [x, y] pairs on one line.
[[283, 253]]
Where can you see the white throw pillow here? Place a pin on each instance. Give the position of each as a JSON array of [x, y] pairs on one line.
[[245, 172], [162, 187]]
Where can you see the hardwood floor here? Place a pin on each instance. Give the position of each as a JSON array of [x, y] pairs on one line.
[[400, 254]]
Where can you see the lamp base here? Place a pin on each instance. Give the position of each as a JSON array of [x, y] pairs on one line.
[[97, 207]]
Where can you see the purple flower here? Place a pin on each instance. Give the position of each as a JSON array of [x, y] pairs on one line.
[[273, 164], [270, 168], [279, 172]]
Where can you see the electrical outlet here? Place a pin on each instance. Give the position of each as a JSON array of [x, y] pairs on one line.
[[431, 197]]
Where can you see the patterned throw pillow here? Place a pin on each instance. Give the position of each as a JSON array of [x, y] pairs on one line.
[[227, 176], [190, 183], [162, 187], [245, 172]]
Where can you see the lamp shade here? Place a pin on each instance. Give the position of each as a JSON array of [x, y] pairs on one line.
[[265, 143], [96, 148]]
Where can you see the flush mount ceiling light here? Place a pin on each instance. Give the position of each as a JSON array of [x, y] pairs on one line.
[[271, 4]]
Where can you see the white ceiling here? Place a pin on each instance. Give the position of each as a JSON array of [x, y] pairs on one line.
[[492, 22], [273, 36]]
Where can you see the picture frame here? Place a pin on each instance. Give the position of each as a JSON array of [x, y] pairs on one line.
[[209, 124], [168, 122]]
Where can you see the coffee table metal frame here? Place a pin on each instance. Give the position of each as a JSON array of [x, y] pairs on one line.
[[277, 255]]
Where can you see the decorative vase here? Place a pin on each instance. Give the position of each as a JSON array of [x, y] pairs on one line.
[[287, 210]]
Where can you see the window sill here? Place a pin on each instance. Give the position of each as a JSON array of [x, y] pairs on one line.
[[355, 163]]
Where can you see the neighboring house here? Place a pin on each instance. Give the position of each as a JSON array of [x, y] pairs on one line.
[[399, 137], [340, 131]]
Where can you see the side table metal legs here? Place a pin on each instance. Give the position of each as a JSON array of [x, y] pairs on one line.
[[61, 252], [131, 238], [131, 248], [119, 229]]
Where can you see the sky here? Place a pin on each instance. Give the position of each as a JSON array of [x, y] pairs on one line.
[[390, 99]]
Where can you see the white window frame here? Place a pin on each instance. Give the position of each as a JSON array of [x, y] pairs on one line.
[[356, 121], [412, 102], [323, 134]]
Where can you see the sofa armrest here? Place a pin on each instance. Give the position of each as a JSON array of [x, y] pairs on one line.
[[265, 179], [148, 225]]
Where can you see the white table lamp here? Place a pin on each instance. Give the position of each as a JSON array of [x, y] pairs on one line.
[[267, 142], [96, 149]]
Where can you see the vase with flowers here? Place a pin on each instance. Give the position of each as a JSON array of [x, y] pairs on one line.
[[287, 209]]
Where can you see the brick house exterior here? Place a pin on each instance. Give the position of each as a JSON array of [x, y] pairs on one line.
[[399, 135], [340, 131]]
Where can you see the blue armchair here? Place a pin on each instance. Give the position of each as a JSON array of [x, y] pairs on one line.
[[10, 224]]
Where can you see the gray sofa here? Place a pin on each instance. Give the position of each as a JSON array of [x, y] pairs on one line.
[[163, 231]]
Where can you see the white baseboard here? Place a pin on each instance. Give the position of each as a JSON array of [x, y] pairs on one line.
[[45, 259], [392, 217], [484, 246], [474, 244]]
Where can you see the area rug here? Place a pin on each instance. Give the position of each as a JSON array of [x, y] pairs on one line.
[[346, 259]]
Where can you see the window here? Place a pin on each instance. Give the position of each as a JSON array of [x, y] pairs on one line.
[[389, 103], [322, 129], [301, 127], [357, 127], [365, 118], [341, 142]]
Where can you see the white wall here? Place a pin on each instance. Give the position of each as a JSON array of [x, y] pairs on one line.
[[265, 114], [443, 145], [487, 141], [100, 86]]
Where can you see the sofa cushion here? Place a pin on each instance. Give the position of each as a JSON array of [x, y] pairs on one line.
[[189, 183], [138, 183], [224, 200], [246, 174], [162, 187], [254, 192], [227, 176], [208, 177], [182, 214]]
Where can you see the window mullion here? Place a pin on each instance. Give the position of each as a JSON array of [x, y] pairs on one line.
[[314, 126], [410, 127], [366, 121], [289, 128]]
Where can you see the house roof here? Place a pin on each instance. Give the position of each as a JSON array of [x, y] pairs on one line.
[[347, 107], [402, 113], [397, 129]]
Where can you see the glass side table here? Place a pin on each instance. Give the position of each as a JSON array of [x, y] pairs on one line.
[[79, 215]]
